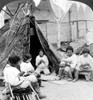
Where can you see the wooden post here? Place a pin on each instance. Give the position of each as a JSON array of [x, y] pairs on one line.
[[86, 26], [70, 30], [46, 33], [59, 33], [77, 30]]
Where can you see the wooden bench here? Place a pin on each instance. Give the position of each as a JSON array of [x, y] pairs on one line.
[[86, 74]]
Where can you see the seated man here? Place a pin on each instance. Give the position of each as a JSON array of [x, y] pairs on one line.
[[68, 63], [84, 63], [42, 63], [15, 78]]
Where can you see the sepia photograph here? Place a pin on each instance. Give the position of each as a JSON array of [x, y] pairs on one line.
[[46, 50]]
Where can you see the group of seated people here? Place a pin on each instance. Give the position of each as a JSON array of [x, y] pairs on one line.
[[20, 72], [74, 64]]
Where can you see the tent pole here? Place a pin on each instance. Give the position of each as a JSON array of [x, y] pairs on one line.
[[6, 12], [17, 8], [31, 9], [9, 11]]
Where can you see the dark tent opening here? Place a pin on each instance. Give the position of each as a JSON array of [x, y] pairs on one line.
[[34, 47], [30, 42], [34, 42], [37, 42]]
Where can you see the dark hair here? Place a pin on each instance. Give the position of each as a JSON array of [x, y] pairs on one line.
[[69, 48], [62, 43], [32, 16], [14, 59], [85, 50], [26, 57], [6, 21], [41, 50]]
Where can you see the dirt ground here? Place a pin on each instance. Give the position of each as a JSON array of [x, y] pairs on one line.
[[80, 90]]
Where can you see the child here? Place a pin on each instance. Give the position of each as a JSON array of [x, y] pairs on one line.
[[28, 68], [26, 65], [85, 63], [68, 64], [42, 63]]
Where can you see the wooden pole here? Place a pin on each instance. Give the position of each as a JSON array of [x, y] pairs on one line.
[[59, 33], [9, 11], [17, 8], [70, 30], [31, 10], [6, 12], [86, 26], [77, 30], [46, 33]]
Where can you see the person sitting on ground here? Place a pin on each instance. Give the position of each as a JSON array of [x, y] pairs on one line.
[[28, 68], [42, 63], [26, 65], [62, 49], [68, 63], [15, 77], [84, 63]]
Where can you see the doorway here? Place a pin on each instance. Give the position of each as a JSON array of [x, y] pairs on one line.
[[35, 46]]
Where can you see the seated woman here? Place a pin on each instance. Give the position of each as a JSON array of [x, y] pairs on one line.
[[68, 63], [42, 63], [85, 63], [28, 68], [26, 65], [14, 77]]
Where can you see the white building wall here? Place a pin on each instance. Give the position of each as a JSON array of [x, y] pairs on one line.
[[52, 26], [50, 29]]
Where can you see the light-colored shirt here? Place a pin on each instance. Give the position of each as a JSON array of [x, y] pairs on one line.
[[26, 67], [63, 54], [44, 59], [11, 75], [73, 59], [85, 60]]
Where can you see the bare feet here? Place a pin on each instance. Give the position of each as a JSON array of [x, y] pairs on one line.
[[74, 80], [42, 96], [70, 79]]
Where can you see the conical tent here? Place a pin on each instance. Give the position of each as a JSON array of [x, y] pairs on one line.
[[37, 42], [17, 39], [13, 43], [11, 36]]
